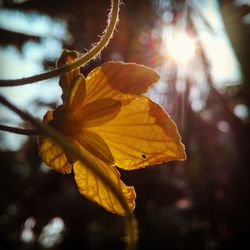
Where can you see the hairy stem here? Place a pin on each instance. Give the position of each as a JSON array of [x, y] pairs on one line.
[[69, 147], [108, 33]]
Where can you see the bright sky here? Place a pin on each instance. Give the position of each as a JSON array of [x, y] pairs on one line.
[[224, 65], [225, 69], [14, 64]]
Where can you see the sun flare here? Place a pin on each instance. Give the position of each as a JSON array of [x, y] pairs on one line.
[[181, 47]]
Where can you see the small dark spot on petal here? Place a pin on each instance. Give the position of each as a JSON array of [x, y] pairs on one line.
[[143, 156]]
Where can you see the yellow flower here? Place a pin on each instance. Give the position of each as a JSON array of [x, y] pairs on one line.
[[112, 124]]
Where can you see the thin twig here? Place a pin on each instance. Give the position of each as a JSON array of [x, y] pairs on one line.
[[20, 131]]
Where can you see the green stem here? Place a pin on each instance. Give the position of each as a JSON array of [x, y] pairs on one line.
[[108, 33], [20, 131], [69, 147]]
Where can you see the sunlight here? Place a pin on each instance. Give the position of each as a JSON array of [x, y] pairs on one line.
[[181, 47]]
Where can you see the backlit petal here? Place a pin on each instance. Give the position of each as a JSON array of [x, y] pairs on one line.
[[142, 134], [93, 188], [97, 112], [93, 143], [76, 94], [53, 155], [119, 81], [65, 81], [48, 117]]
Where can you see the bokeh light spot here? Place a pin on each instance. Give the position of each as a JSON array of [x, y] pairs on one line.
[[241, 111], [27, 234], [52, 233], [223, 126]]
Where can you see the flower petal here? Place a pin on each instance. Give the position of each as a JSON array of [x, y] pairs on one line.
[[142, 134], [97, 112], [76, 95], [93, 143], [48, 117], [93, 188], [53, 155], [119, 81], [67, 57]]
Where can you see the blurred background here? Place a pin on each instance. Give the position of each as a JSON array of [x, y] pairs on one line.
[[201, 50]]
